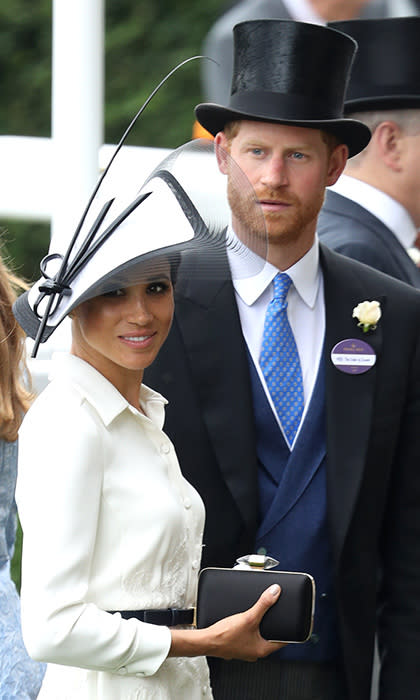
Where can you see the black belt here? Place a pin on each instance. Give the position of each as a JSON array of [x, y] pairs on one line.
[[169, 617]]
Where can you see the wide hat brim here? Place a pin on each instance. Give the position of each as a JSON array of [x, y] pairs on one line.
[[181, 208], [351, 132]]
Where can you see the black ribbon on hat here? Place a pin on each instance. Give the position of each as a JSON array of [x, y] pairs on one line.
[[60, 284]]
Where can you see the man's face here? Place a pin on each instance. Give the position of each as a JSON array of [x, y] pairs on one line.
[[289, 168]]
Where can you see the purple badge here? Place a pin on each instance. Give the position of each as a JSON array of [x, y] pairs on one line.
[[353, 356]]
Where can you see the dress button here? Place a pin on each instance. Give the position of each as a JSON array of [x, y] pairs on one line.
[[195, 564], [122, 671], [165, 448], [187, 503], [314, 639]]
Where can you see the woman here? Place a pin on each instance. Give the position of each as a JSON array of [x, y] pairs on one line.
[[20, 677], [111, 528]]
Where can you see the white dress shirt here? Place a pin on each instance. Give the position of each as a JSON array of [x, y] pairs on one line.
[[109, 523], [381, 205], [305, 310]]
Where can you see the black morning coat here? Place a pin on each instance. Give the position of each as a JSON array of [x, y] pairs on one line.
[[373, 455]]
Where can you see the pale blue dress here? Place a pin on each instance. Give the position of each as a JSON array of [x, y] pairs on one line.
[[20, 677]]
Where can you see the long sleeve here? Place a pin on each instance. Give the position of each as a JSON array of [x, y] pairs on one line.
[[61, 471]]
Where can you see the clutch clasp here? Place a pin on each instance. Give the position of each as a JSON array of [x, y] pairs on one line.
[[256, 562]]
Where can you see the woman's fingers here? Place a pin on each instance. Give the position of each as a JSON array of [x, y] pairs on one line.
[[234, 637], [266, 600]]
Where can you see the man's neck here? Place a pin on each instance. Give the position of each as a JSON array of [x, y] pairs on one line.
[[284, 256]]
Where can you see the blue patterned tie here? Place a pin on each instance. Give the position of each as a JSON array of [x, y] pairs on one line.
[[279, 360]]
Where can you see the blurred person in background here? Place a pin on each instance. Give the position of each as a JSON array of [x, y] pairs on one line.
[[372, 213], [20, 677], [218, 43]]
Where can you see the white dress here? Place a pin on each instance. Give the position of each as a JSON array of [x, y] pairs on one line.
[[109, 524]]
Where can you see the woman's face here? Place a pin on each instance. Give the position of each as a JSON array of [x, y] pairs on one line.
[[121, 333]]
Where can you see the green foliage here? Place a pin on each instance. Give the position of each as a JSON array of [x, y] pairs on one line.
[[25, 67], [25, 244], [15, 569], [144, 40]]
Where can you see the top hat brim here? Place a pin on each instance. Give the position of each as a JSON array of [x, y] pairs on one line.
[[382, 102], [351, 132]]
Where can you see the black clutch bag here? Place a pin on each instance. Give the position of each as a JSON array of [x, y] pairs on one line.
[[224, 592]]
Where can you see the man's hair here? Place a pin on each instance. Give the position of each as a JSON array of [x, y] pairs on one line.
[[408, 120], [330, 139], [231, 130]]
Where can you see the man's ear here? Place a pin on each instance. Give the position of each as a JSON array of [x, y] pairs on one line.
[[337, 163], [221, 147], [389, 143]]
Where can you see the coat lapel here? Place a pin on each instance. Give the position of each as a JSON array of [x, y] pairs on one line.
[[349, 397], [218, 362]]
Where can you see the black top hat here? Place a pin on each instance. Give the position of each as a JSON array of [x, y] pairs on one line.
[[386, 70], [291, 73]]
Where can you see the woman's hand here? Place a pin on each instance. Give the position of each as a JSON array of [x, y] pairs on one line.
[[238, 636], [235, 637]]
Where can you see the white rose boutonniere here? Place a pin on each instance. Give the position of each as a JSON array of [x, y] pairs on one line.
[[368, 314]]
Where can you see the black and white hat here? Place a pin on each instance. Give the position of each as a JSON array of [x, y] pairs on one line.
[[181, 208]]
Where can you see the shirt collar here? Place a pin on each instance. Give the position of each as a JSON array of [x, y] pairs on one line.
[[101, 394], [305, 275], [381, 205]]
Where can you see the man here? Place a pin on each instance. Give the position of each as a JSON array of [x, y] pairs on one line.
[[372, 214], [331, 486], [218, 44]]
